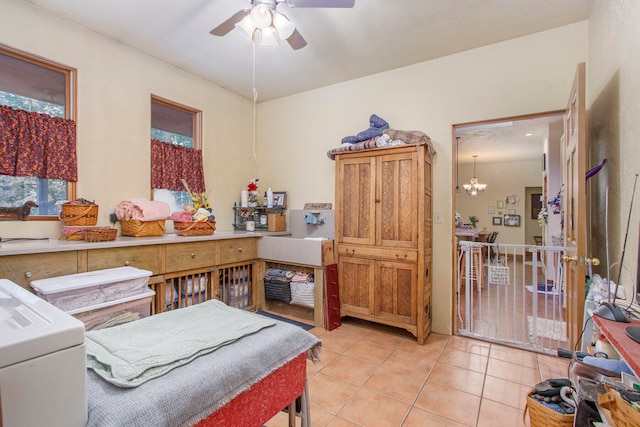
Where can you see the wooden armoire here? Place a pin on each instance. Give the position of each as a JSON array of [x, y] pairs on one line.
[[384, 236]]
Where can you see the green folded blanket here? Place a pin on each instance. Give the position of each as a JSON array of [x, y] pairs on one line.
[[133, 353]]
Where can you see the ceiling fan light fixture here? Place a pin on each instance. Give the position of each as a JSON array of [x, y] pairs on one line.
[[268, 37], [284, 27], [246, 27], [261, 16]]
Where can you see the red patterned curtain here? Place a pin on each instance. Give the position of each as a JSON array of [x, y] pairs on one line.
[[35, 144], [170, 163]]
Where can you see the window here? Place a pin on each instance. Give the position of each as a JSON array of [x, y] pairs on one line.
[[178, 125], [34, 84]]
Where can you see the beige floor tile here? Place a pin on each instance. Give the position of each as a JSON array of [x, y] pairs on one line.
[[463, 359], [330, 393], [506, 392], [458, 378], [514, 355], [326, 356], [513, 372], [341, 422], [469, 345], [350, 369], [371, 409], [319, 417], [368, 352], [421, 418], [553, 367], [449, 403], [494, 414], [432, 348], [384, 339], [394, 384], [410, 364], [352, 330], [337, 343]]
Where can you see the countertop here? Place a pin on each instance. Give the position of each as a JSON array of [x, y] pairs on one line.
[[628, 349], [21, 247]]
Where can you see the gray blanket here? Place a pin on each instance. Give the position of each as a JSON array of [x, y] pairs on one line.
[[189, 393], [136, 352]]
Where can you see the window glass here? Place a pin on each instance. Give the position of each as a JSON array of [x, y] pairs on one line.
[[177, 125], [35, 85]]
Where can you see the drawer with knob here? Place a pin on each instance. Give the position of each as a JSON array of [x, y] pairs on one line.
[[22, 269], [143, 257], [190, 255], [237, 250]]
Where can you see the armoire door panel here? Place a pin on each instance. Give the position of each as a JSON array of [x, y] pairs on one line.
[[356, 202], [356, 285], [398, 201], [395, 291]]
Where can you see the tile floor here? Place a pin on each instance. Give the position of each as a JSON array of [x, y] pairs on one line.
[[371, 375]]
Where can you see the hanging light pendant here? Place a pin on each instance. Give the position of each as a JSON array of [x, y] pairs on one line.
[[474, 188]]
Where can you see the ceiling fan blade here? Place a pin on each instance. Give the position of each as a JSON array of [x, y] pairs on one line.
[[228, 25], [320, 3], [296, 40]]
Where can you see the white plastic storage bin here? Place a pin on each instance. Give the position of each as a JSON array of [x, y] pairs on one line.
[[82, 290], [114, 313]]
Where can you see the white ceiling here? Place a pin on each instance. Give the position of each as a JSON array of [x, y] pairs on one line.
[[343, 44]]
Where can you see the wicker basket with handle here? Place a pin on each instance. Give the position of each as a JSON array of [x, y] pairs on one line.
[[79, 214], [622, 413], [200, 228], [543, 416], [136, 228], [100, 234]]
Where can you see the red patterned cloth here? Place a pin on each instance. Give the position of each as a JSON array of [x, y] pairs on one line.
[[264, 399], [170, 163], [35, 144]]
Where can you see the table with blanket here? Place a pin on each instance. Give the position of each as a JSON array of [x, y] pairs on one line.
[[208, 364]]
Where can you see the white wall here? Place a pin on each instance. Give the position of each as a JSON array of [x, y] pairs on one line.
[[502, 179], [521, 76], [115, 84], [526, 75], [613, 100]]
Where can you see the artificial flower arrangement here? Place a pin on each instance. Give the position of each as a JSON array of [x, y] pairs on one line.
[[542, 217], [200, 211], [254, 196], [474, 220]]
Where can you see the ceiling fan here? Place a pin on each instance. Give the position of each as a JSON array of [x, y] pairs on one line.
[[263, 20]]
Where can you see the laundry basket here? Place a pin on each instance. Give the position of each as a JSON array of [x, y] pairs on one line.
[[543, 416]]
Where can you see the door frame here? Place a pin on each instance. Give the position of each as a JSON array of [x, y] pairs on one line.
[[454, 176]]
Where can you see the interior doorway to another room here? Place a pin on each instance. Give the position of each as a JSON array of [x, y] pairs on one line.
[[517, 160]]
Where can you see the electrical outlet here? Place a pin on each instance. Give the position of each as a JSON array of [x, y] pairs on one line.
[[436, 218]]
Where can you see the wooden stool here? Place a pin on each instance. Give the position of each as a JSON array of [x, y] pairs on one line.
[[476, 266]]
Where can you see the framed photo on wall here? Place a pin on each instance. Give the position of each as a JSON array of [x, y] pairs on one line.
[[512, 220], [497, 220], [280, 199]]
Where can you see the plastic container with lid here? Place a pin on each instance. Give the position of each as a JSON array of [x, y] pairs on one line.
[[115, 313], [76, 291]]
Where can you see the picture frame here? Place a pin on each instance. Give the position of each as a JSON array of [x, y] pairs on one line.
[[511, 221], [280, 199], [536, 205], [497, 220], [512, 211], [500, 204], [491, 209]]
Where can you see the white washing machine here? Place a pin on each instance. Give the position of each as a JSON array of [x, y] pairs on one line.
[[42, 362]]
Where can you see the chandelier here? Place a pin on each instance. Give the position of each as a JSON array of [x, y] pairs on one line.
[[266, 22], [474, 187]]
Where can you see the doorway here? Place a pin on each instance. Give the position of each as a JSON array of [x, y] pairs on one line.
[[505, 172]]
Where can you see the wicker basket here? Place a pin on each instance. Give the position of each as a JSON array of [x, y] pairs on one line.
[[622, 413], [72, 232], [276, 222], [542, 416], [200, 228], [137, 228], [79, 214], [100, 234]]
